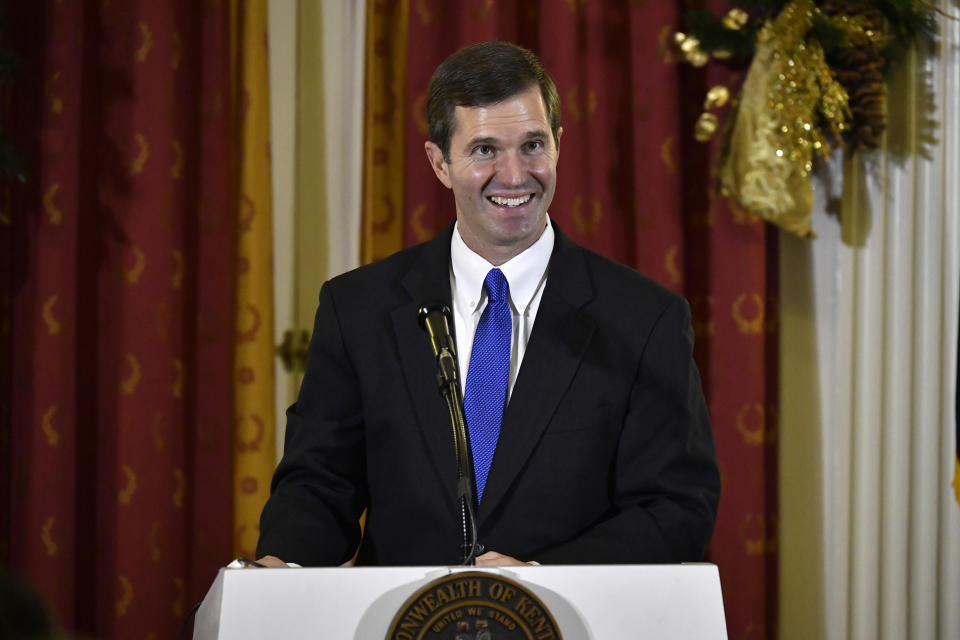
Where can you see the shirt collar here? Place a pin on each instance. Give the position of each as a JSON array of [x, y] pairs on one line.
[[524, 272]]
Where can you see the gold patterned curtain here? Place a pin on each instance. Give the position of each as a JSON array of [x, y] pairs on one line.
[[135, 306], [384, 130], [254, 454]]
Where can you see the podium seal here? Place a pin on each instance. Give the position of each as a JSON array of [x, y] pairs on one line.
[[473, 605]]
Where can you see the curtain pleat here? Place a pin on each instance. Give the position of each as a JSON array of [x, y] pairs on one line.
[[881, 307], [253, 376], [384, 117]]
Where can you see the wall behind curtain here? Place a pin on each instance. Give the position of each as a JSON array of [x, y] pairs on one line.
[[632, 185], [118, 283]]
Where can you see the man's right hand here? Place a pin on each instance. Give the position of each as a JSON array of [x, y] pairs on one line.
[[273, 562]]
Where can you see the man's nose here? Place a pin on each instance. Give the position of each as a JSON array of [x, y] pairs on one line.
[[512, 169]]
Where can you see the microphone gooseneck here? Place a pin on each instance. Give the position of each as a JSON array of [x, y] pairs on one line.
[[435, 320]]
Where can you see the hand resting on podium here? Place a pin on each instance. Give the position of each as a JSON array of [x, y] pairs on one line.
[[488, 559]]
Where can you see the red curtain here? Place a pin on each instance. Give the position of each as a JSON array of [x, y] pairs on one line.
[[635, 186], [117, 291]]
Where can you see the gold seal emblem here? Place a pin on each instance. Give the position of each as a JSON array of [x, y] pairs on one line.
[[473, 605]]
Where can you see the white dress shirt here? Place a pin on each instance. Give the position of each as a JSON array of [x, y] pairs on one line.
[[526, 275]]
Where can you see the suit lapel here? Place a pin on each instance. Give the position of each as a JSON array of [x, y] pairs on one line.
[[559, 338], [426, 281]]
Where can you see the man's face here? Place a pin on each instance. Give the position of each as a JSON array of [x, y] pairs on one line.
[[503, 172]]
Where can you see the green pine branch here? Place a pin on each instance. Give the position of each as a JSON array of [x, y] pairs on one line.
[[709, 31]]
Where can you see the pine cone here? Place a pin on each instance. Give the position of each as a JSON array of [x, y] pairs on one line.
[[858, 69]]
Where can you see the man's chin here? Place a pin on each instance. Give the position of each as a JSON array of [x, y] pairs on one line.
[[519, 235]]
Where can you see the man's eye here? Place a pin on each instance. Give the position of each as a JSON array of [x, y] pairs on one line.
[[534, 145], [483, 150]]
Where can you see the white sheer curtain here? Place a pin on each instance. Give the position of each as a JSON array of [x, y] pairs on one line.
[[316, 93], [870, 525], [343, 65]]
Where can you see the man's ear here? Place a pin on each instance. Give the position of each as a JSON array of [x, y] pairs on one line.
[[559, 135], [437, 163]]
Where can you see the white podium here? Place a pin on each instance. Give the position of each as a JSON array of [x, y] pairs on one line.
[[589, 601]]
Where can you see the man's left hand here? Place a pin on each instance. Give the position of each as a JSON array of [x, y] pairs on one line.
[[494, 559]]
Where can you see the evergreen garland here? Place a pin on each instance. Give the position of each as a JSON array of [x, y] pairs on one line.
[[815, 77], [907, 22]]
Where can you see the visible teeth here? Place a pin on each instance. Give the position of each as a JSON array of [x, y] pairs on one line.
[[511, 202]]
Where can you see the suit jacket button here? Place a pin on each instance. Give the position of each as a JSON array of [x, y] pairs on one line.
[[480, 548]]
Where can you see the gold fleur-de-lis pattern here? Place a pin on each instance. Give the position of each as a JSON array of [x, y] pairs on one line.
[[671, 263], [581, 103], [668, 154], [747, 311], [47, 536], [124, 596], [180, 599], [587, 214], [180, 485], [176, 50], [146, 43], [54, 214], [49, 316], [53, 97], [49, 430], [128, 385], [176, 170], [128, 485], [153, 543], [142, 153], [137, 266], [178, 378]]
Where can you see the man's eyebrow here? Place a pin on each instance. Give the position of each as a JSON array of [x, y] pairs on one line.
[[478, 141], [529, 135]]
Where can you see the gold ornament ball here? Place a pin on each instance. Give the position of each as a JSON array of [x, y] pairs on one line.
[[706, 126], [735, 19], [698, 58], [716, 97]]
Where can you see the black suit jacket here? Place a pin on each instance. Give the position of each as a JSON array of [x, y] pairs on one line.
[[605, 453]]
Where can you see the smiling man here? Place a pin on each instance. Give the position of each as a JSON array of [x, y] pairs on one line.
[[588, 428], [501, 163]]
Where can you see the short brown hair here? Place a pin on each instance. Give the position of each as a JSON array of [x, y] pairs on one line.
[[481, 75]]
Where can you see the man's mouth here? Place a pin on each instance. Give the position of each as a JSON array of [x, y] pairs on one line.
[[510, 202]]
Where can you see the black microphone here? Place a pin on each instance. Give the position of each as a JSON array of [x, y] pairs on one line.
[[435, 320]]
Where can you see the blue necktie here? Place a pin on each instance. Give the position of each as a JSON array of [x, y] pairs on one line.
[[485, 394]]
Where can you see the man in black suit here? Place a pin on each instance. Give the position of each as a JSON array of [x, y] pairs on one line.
[[590, 434]]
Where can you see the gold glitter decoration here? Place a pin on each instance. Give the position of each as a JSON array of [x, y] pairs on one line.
[[802, 88], [788, 92]]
